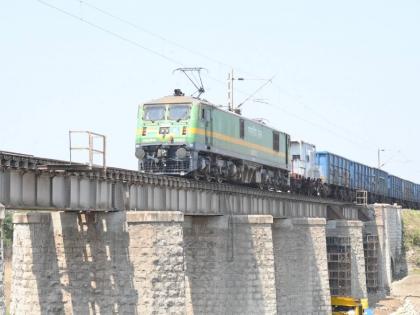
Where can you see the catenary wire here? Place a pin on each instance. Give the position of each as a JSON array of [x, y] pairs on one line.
[[170, 59], [172, 42], [123, 38]]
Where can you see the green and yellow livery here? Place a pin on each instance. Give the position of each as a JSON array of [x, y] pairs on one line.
[[182, 135]]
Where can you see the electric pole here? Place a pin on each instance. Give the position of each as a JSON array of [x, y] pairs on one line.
[[379, 158], [230, 90]]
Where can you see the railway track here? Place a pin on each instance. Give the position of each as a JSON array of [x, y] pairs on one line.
[[29, 163]]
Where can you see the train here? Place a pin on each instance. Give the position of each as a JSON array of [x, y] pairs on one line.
[[188, 136], [342, 178]]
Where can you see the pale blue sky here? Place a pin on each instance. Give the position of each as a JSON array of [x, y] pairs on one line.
[[347, 72]]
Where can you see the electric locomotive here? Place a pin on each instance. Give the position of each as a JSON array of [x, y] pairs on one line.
[[187, 136]]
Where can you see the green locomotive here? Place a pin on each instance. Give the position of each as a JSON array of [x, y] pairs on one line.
[[187, 136]]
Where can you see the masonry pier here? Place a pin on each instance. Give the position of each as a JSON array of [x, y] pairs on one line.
[[160, 262], [98, 263], [384, 250], [301, 266], [230, 265], [346, 263]]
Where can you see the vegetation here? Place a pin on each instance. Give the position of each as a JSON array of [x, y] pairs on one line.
[[411, 221], [8, 229]]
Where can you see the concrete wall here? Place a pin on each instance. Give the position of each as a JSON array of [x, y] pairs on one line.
[[301, 266], [353, 230]]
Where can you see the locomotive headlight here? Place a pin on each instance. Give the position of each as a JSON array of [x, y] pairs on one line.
[[181, 153], [140, 153]]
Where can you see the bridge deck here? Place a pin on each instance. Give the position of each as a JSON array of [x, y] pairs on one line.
[[35, 183]]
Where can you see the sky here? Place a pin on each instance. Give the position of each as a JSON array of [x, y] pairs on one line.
[[346, 73]]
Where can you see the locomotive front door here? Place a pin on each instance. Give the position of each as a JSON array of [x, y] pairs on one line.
[[208, 127]]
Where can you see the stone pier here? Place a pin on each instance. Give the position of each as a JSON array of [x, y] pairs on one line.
[[375, 261], [98, 263], [390, 257], [229, 265], [346, 260], [157, 257], [165, 262], [300, 255]]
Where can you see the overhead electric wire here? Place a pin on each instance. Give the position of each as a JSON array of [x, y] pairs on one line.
[[340, 127], [172, 42], [256, 91], [333, 132], [105, 30], [123, 38], [172, 60]]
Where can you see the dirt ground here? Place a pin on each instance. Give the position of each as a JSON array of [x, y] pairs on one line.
[[404, 298]]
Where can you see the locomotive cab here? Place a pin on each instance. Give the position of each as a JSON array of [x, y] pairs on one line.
[[163, 142]]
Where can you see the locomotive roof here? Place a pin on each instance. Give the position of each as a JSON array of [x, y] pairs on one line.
[[172, 99]]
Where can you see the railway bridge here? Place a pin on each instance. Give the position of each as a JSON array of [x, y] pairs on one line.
[[115, 241]]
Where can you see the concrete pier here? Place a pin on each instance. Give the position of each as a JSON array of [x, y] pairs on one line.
[[301, 266]]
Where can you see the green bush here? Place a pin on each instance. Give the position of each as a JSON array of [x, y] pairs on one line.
[[411, 223], [8, 230]]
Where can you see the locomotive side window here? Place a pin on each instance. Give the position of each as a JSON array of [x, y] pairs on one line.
[[276, 141], [241, 128]]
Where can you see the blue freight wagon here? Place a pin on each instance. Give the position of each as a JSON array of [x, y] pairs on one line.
[[408, 190], [395, 189], [334, 169], [346, 177]]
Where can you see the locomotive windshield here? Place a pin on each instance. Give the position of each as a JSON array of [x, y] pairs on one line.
[[179, 112], [153, 112]]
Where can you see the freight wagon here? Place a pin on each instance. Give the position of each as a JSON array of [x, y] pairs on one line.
[[344, 177]]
